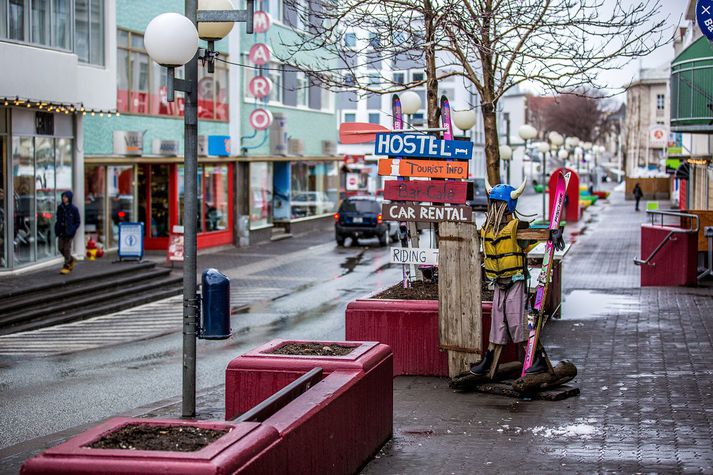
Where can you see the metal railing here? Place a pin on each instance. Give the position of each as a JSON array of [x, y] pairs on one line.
[[671, 235], [281, 398]]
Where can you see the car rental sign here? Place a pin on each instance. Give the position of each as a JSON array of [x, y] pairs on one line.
[[426, 213], [420, 145]]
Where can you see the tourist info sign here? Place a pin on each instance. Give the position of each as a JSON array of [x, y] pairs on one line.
[[426, 213], [421, 145], [422, 168], [455, 192], [416, 256]]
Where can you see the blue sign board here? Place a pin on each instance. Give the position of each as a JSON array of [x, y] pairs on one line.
[[422, 146], [219, 145], [704, 17], [131, 240]]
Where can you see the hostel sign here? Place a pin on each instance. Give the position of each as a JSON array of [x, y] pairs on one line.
[[420, 145]]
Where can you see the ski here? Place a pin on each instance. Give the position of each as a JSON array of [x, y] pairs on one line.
[[446, 124], [398, 123], [534, 323]]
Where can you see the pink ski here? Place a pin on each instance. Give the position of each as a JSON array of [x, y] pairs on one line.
[[543, 282]]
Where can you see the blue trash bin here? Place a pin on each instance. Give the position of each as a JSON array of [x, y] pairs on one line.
[[215, 316]]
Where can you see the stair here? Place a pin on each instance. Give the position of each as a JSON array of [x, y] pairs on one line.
[[279, 233], [51, 301]]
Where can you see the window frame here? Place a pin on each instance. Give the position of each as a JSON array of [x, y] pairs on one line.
[[130, 49]]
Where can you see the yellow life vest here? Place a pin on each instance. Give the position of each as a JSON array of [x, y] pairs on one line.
[[503, 256]]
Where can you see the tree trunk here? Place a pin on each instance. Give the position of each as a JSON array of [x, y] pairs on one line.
[[430, 58], [492, 152]]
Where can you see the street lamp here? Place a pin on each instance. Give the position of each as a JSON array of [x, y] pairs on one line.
[[410, 102], [506, 155], [172, 41], [464, 120], [526, 132]]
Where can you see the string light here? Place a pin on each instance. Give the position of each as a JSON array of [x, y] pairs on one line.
[[55, 108]]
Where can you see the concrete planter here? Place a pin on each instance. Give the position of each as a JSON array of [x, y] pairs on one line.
[[254, 376], [237, 451], [410, 328]]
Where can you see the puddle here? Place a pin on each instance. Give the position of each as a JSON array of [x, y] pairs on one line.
[[351, 262], [588, 304]]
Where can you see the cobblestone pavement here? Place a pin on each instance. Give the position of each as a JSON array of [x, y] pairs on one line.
[[645, 365]]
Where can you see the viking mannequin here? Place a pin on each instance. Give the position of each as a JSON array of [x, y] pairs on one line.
[[505, 262]]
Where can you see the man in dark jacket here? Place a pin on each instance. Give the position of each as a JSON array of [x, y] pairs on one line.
[[638, 194], [65, 227]]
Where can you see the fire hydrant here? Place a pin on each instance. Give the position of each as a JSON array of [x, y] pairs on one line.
[[92, 250]]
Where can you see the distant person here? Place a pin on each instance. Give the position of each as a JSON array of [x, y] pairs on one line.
[[638, 194], [65, 228]]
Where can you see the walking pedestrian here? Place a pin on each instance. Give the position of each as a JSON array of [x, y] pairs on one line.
[[638, 194], [65, 227]]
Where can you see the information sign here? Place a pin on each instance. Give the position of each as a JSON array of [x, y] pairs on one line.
[[131, 240], [416, 256], [422, 168]]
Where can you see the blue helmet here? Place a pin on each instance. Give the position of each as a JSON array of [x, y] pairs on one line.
[[506, 193]]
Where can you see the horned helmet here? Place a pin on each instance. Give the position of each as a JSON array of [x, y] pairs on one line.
[[506, 193]]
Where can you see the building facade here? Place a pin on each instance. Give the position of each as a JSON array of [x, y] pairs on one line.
[[61, 59], [648, 115], [692, 114]]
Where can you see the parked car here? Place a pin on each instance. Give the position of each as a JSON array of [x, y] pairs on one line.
[[360, 216], [310, 203]]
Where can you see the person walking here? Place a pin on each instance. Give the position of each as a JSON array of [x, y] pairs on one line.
[[638, 194], [65, 227]]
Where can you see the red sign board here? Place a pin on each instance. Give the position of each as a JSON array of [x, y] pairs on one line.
[[455, 192]]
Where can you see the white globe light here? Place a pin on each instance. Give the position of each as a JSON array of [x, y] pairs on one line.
[[527, 132], [464, 120], [505, 152], [563, 154], [171, 39], [587, 146], [556, 138], [410, 102], [543, 147], [210, 30], [575, 141], [602, 149]]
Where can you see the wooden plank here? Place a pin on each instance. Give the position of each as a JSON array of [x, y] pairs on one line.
[[426, 213], [504, 388], [460, 311], [533, 234], [422, 168], [418, 256], [454, 192]]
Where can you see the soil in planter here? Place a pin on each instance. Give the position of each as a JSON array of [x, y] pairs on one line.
[[152, 437], [312, 349], [424, 291]]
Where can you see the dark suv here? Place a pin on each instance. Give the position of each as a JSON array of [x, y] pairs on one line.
[[360, 216]]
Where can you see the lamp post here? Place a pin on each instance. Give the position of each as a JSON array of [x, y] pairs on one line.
[[171, 40], [543, 148]]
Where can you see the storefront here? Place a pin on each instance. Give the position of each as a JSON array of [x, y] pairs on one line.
[[149, 189], [37, 156], [286, 192]]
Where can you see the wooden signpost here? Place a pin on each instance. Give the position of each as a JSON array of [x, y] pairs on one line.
[[426, 213], [454, 192], [422, 168]]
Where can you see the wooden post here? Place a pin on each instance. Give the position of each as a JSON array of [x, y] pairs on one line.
[[459, 292]]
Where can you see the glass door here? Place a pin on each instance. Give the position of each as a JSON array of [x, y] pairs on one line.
[[3, 226], [45, 197], [23, 188]]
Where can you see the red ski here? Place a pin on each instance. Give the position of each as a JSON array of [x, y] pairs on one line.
[[534, 320]]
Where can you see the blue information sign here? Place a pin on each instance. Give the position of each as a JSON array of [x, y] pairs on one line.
[[423, 146], [131, 240], [704, 17]]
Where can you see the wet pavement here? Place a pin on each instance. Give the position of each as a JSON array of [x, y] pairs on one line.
[[645, 361]]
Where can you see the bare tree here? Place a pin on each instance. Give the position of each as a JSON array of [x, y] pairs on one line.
[[576, 115], [562, 45]]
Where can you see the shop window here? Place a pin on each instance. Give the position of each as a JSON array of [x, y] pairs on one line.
[[213, 198], [315, 188], [16, 17], [89, 31], [159, 201], [40, 22], [142, 84], [373, 118], [120, 195], [95, 203], [3, 225], [261, 189]]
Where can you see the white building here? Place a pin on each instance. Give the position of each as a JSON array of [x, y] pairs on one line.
[[60, 63]]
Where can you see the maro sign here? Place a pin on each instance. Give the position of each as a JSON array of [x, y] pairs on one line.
[[260, 86]]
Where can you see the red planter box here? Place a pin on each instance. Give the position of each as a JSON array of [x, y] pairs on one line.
[[410, 328], [256, 375], [237, 451], [675, 264], [338, 424]]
